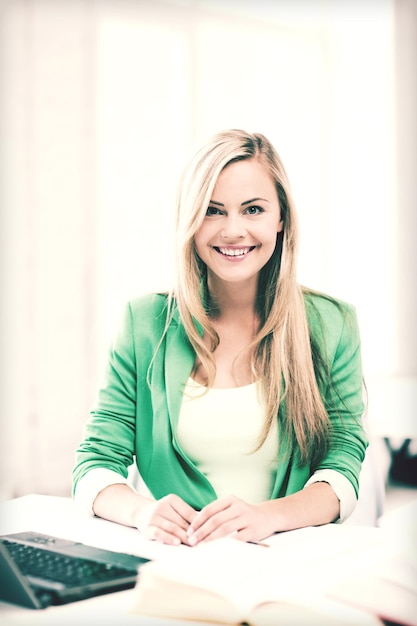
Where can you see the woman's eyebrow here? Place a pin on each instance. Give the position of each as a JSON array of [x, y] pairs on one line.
[[243, 203], [254, 200]]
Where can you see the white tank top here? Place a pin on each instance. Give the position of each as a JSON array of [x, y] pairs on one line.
[[219, 430]]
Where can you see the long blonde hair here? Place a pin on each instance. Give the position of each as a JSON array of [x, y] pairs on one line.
[[282, 352]]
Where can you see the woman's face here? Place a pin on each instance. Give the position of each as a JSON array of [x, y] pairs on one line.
[[239, 232]]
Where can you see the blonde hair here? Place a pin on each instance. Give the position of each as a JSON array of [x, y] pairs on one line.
[[282, 353]]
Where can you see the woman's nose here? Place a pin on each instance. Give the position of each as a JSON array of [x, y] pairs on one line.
[[233, 228]]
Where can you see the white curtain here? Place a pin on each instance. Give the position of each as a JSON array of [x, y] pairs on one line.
[[101, 102]]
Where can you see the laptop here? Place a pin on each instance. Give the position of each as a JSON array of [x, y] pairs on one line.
[[37, 571]]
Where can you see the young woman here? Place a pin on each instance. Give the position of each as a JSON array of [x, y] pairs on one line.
[[239, 394]]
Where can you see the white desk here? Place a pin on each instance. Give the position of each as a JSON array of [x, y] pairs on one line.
[[60, 517]]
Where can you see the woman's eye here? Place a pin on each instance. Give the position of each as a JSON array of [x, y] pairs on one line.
[[254, 210], [212, 210]]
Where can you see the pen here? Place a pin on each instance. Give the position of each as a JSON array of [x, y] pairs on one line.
[[259, 543]]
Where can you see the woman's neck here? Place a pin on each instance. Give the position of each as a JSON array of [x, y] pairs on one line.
[[229, 299], [233, 316]]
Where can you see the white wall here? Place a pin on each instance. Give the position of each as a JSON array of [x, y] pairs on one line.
[[101, 101]]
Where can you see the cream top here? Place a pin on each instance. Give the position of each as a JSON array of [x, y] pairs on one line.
[[219, 429]]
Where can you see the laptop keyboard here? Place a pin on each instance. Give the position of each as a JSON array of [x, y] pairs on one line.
[[68, 571]]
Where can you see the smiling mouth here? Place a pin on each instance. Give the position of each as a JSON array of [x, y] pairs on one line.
[[234, 252]]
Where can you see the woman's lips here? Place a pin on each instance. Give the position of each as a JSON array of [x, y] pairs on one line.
[[234, 253]]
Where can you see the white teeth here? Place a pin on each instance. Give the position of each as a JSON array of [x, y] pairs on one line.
[[234, 251]]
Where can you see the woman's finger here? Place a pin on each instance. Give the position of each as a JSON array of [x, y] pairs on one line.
[[167, 520], [209, 511], [221, 524]]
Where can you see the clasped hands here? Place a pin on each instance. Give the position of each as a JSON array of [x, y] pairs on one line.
[[172, 521]]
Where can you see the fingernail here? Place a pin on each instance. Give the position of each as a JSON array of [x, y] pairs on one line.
[[192, 540]]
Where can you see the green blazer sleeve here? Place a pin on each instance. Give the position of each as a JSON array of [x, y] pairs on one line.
[[109, 435], [335, 326]]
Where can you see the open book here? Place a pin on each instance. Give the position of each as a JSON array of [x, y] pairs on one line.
[[231, 582]]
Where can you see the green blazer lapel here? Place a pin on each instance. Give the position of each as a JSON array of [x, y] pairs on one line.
[[179, 361]]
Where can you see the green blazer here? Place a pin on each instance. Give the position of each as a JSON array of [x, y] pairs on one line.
[[134, 420]]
